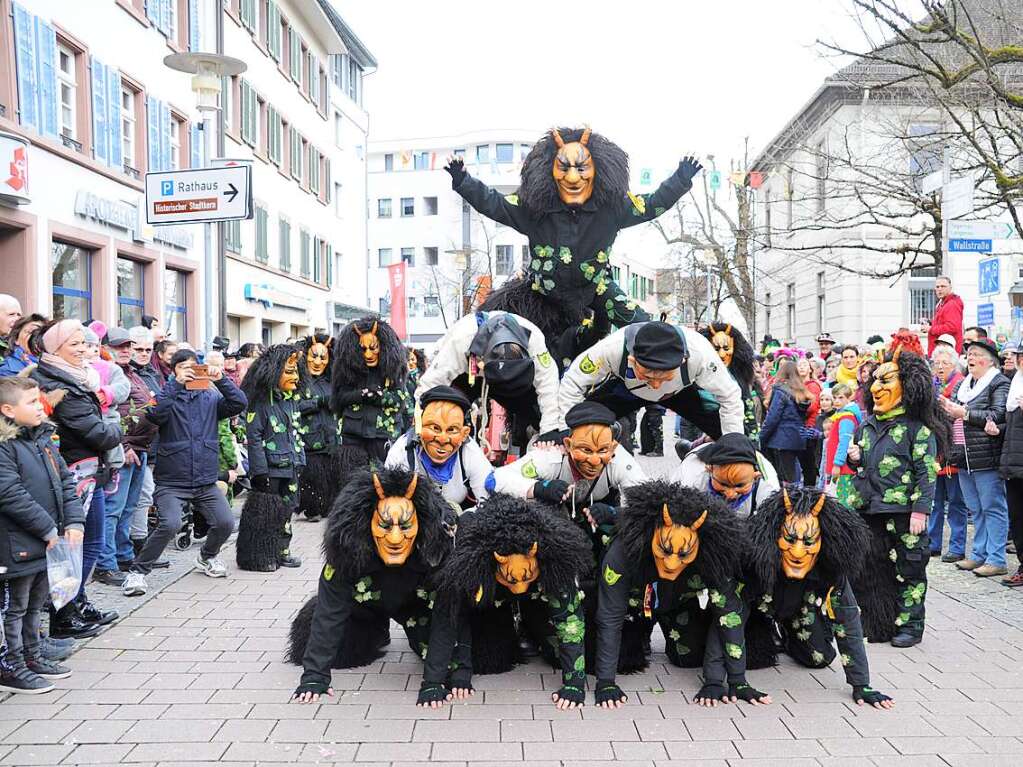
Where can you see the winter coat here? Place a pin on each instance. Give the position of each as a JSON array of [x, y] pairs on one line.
[[149, 377], [1011, 466], [139, 430], [318, 422], [949, 390], [982, 452], [814, 408], [18, 360], [897, 466], [274, 438], [37, 497], [82, 430], [948, 318], [836, 448], [782, 428], [187, 454]]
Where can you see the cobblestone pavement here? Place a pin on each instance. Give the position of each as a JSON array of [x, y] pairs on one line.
[[195, 675]]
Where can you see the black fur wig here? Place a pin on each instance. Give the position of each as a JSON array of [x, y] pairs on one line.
[[261, 382], [721, 534], [509, 525], [918, 396], [348, 371], [538, 192], [303, 352], [742, 353], [348, 540], [548, 313], [843, 538]]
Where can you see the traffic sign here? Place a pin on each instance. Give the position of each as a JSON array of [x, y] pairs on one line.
[[970, 246], [932, 182], [980, 230], [715, 179], [957, 197], [198, 195], [985, 315], [1017, 314], [988, 276], [646, 177]]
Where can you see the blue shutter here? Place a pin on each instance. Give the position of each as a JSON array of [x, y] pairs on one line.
[[25, 59], [165, 16], [100, 135], [153, 11], [193, 25], [195, 145], [46, 77], [330, 265], [165, 145], [153, 133], [114, 117]]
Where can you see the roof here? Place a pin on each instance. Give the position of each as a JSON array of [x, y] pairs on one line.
[[356, 48]]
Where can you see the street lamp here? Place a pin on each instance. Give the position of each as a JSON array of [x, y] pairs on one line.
[[208, 71], [708, 257]]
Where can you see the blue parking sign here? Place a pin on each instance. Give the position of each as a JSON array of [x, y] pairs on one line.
[[988, 276], [166, 188]]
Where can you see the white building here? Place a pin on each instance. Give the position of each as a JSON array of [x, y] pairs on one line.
[[450, 250], [85, 118]]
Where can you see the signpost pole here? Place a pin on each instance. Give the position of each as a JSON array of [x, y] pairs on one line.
[[207, 280], [946, 176]]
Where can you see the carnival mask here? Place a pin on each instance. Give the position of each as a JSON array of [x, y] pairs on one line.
[[675, 546], [887, 388], [444, 430], [590, 448], [733, 480], [289, 376], [800, 539], [317, 359], [395, 524], [724, 345], [517, 571], [573, 169], [370, 345]]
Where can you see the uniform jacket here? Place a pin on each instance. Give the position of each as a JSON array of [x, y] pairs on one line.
[[897, 466], [470, 470], [622, 471], [982, 452], [609, 358], [692, 472], [37, 497], [274, 438], [319, 423]]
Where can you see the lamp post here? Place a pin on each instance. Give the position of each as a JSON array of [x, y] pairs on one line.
[[208, 71], [708, 257]]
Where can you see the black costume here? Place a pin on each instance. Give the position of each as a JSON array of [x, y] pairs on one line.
[[741, 368], [319, 429], [651, 430]]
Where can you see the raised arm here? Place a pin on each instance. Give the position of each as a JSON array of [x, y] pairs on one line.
[[488, 202], [638, 208]]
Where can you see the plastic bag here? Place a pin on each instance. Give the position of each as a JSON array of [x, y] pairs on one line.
[[64, 568]]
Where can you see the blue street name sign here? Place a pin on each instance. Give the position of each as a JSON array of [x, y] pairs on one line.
[[969, 246], [985, 315]]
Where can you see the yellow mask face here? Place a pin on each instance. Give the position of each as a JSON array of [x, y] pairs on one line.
[[733, 480], [516, 572], [370, 345], [724, 346], [800, 540], [317, 359], [590, 448], [675, 546], [887, 388], [574, 170], [395, 524], [444, 430], [289, 377]]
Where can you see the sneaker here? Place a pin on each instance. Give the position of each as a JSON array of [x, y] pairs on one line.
[[92, 614], [949, 558], [56, 649], [109, 577], [288, 560], [21, 680], [968, 564], [48, 669], [211, 567], [134, 585], [986, 571], [160, 564]]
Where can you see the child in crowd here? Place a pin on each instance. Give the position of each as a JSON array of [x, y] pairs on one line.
[[836, 474], [38, 504], [824, 413]]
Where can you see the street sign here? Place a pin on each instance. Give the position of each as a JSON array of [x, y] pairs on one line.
[[199, 195], [988, 276], [715, 179], [1017, 314], [970, 246], [980, 230], [646, 177], [932, 182], [957, 197], [985, 315]]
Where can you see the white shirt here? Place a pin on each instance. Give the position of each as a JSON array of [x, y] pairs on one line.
[[472, 459]]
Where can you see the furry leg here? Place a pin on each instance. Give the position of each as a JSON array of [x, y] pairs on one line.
[[877, 590], [495, 644], [263, 517], [361, 644], [318, 486]]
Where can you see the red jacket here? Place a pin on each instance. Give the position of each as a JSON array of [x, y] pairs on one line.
[[948, 318]]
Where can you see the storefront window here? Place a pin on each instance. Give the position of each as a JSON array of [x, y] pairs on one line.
[[130, 305], [72, 281], [175, 305]]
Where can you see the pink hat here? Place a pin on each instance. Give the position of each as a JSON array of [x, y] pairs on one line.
[[57, 336]]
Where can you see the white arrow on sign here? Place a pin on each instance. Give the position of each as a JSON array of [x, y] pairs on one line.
[[199, 195]]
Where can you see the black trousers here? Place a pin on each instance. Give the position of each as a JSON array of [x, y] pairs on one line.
[[1014, 497], [808, 462], [786, 462], [651, 429]]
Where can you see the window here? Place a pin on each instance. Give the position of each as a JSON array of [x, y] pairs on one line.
[[429, 206], [384, 304], [284, 243], [421, 161], [408, 206], [767, 218], [317, 260], [314, 170], [262, 220], [431, 306], [408, 255], [790, 313], [337, 200], [275, 142], [384, 207], [233, 236], [295, 69], [921, 293], [925, 146], [505, 153], [175, 304], [67, 92], [305, 264], [130, 304], [460, 153], [790, 192], [505, 261], [822, 176], [250, 115], [523, 151], [820, 302], [296, 155], [274, 30], [172, 20], [128, 122], [388, 162], [413, 306], [525, 257], [248, 14], [227, 91], [483, 153], [430, 255], [176, 129], [72, 281], [384, 257]]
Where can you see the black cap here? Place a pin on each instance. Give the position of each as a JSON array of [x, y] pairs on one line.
[[587, 413], [729, 448], [825, 338], [658, 346], [220, 343], [986, 344], [445, 394]]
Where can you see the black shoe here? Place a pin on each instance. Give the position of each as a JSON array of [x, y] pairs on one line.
[[952, 558], [92, 614], [654, 454], [905, 639], [124, 565], [160, 564], [527, 649], [682, 448], [288, 560], [21, 680], [67, 624], [109, 577], [936, 553]]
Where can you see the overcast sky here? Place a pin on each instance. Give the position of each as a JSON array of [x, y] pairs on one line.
[[659, 78]]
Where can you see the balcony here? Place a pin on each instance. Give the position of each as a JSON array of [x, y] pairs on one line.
[[70, 143], [132, 172]]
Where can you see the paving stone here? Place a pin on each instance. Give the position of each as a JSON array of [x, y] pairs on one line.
[[262, 752], [703, 749], [673, 729], [38, 754], [95, 754], [632, 750], [388, 752], [457, 731], [564, 750], [99, 731], [592, 730], [533, 732], [139, 711], [39, 731], [779, 749], [492, 711], [299, 731], [241, 730], [410, 710], [938, 745], [763, 729], [317, 753], [855, 746], [370, 732], [171, 730], [445, 752]]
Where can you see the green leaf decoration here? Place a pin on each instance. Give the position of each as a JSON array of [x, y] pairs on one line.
[[731, 620], [580, 663], [733, 650]]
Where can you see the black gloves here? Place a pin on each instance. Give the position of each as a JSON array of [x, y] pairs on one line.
[[602, 514], [745, 692], [457, 170], [317, 688], [608, 692], [260, 483], [460, 679], [688, 168], [431, 692], [711, 691], [550, 491], [868, 695], [571, 694]]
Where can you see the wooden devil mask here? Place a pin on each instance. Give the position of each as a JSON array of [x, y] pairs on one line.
[[317, 358], [370, 345], [516, 572], [573, 169], [288, 381], [724, 344], [887, 387], [800, 539], [395, 524], [675, 546]]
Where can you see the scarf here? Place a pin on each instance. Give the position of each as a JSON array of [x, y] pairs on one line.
[[969, 388], [85, 376], [1015, 391], [441, 473]]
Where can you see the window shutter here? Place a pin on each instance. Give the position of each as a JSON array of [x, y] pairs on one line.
[[153, 12], [165, 17], [27, 66], [274, 33], [46, 77], [165, 144], [330, 265], [193, 25], [114, 117], [195, 137], [100, 134], [153, 133], [328, 187]]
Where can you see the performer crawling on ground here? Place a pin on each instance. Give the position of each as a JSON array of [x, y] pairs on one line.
[[384, 544], [805, 548], [507, 551], [731, 469], [572, 201], [676, 551]]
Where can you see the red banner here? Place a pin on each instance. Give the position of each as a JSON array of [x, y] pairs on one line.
[[399, 307]]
